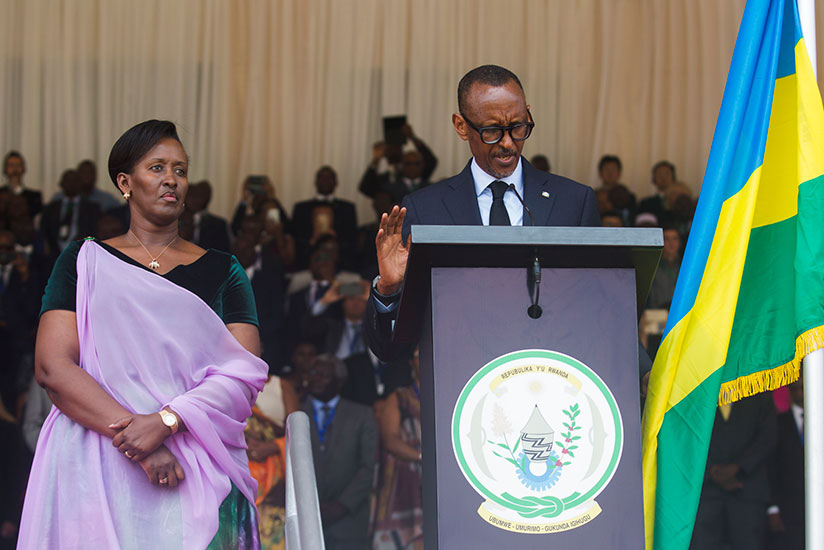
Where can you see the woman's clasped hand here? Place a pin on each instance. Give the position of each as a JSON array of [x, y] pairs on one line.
[[140, 438]]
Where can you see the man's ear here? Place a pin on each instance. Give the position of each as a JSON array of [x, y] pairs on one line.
[[460, 126]]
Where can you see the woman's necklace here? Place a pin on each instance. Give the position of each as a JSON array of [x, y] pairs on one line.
[[153, 264]]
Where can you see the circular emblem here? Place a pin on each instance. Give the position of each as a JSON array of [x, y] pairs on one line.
[[538, 435]]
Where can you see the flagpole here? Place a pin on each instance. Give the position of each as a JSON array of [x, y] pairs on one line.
[[813, 373]]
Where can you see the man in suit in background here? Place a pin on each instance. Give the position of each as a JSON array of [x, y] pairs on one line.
[[14, 166], [322, 215], [494, 119], [266, 273], [736, 491], [344, 442], [70, 217], [786, 515], [407, 172], [197, 223]]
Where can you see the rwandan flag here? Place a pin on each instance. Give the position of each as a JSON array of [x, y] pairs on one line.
[[749, 303]]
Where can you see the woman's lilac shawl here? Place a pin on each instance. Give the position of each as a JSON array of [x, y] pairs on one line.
[[149, 343]]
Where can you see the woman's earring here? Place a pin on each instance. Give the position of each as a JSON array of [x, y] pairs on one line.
[[127, 195]]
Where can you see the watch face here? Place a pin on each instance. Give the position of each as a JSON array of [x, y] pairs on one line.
[[169, 420]]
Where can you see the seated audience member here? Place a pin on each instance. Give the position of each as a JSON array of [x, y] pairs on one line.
[[679, 208], [330, 254], [367, 253], [622, 202], [200, 226], [344, 445], [87, 170], [341, 335], [324, 215], [274, 236], [70, 217], [663, 177], [256, 188], [265, 272], [736, 492], [265, 431], [604, 205], [398, 521], [321, 295], [14, 466], [663, 285], [296, 371], [19, 310], [785, 518], [28, 242], [14, 166], [609, 172], [612, 218], [541, 162], [406, 172]]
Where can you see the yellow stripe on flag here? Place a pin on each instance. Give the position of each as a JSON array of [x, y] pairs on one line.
[[699, 340]]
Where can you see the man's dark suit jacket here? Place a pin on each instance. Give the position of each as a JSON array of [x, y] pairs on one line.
[[34, 199], [361, 384], [787, 484], [344, 467], [269, 287], [345, 226], [454, 202], [747, 439], [87, 217]]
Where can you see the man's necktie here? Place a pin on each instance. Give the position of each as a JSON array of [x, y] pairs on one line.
[[497, 213]]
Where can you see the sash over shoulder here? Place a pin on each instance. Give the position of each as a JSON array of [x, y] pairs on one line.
[[149, 343]]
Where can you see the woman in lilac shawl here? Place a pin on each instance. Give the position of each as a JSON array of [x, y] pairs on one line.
[[148, 348]]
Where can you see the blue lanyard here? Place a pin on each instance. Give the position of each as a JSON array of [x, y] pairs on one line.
[[326, 423]]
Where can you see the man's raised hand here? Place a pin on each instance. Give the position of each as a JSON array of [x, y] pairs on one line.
[[392, 253]]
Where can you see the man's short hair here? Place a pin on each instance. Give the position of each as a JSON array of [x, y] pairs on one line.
[[606, 159], [666, 163], [492, 75], [341, 372]]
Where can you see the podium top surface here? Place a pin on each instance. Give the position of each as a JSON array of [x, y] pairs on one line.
[[517, 246], [537, 236]]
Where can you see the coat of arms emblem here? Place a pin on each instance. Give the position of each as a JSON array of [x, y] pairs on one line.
[[538, 435]]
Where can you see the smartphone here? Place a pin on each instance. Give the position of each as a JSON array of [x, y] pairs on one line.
[[393, 130]]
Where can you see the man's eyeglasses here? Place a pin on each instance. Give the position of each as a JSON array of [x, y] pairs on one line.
[[493, 134]]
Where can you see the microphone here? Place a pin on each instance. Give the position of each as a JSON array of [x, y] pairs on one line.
[[534, 311], [526, 208]]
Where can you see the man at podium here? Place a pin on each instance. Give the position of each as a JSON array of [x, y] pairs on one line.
[[497, 187]]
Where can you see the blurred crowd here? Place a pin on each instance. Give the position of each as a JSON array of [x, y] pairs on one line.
[[311, 271]]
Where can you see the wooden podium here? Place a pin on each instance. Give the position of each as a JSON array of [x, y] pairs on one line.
[[530, 426]]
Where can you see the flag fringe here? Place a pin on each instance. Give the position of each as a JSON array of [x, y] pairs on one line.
[[771, 379]]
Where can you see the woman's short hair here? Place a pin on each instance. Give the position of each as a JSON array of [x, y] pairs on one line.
[[136, 142]]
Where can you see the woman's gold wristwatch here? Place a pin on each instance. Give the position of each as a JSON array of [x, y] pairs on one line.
[[169, 420]]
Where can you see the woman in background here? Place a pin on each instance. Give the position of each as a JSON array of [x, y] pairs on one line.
[[398, 523]]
